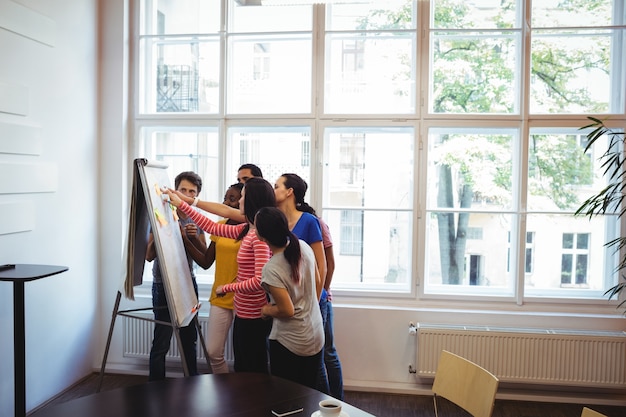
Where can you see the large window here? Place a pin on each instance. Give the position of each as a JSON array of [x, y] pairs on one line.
[[440, 139]]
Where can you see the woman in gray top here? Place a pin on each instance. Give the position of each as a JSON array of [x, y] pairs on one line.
[[297, 335]]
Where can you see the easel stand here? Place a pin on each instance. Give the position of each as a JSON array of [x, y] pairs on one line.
[[152, 214], [128, 313]]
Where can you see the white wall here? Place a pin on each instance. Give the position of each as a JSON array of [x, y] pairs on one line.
[[60, 81], [114, 182]]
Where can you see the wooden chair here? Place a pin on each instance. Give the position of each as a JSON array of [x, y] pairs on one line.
[[588, 412], [465, 384]]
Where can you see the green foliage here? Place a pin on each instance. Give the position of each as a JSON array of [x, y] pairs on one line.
[[557, 168], [474, 73], [610, 200], [384, 19], [482, 162], [451, 15], [554, 66]]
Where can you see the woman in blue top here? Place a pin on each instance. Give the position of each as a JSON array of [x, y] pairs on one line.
[[290, 190]]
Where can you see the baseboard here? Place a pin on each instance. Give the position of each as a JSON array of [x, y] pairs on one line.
[[505, 392]]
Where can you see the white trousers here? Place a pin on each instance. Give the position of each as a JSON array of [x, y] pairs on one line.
[[219, 323]]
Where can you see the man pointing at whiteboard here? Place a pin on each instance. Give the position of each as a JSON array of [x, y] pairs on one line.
[[190, 184]]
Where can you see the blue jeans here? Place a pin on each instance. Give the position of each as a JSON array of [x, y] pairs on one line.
[[163, 335], [330, 378]]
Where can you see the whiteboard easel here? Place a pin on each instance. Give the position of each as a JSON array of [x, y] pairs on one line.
[[150, 212]]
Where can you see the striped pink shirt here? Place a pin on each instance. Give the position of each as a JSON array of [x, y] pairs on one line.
[[252, 256]]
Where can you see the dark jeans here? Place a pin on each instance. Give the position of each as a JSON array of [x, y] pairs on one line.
[[250, 344], [163, 335], [330, 378], [296, 368]]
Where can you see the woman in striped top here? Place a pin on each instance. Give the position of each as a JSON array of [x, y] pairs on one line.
[[250, 329]]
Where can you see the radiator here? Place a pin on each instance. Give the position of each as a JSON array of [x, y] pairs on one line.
[[137, 335], [533, 356]]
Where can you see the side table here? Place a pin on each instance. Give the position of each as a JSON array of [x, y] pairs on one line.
[[19, 274]]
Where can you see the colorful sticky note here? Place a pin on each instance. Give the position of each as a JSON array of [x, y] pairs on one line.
[[160, 218]]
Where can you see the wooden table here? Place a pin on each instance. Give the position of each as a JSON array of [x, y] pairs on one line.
[[19, 274], [208, 395]]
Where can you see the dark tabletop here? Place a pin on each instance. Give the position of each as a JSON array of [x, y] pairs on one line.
[[233, 394], [27, 272]]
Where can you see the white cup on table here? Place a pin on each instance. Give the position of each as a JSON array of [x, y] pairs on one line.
[[330, 408]]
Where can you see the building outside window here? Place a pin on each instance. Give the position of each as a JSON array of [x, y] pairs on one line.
[[351, 235], [575, 258]]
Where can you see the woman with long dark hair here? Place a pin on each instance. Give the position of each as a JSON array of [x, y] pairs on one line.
[[301, 219], [297, 335], [250, 330]]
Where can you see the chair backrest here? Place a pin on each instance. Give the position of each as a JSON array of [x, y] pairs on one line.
[[466, 384], [588, 412]]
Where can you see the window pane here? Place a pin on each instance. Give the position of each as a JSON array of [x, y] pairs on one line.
[[369, 167], [555, 13], [561, 175], [474, 72], [186, 149], [581, 269], [470, 169], [529, 261], [176, 17], [351, 234], [481, 14], [368, 200], [370, 73], [276, 150], [360, 15], [270, 74], [570, 259], [460, 265], [268, 18], [179, 75], [372, 248], [582, 241], [530, 249], [568, 241], [575, 71], [566, 268]]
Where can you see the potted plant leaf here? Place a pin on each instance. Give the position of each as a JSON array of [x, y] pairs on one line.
[[610, 200]]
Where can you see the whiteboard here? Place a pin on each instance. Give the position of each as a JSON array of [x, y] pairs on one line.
[[149, 209]]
